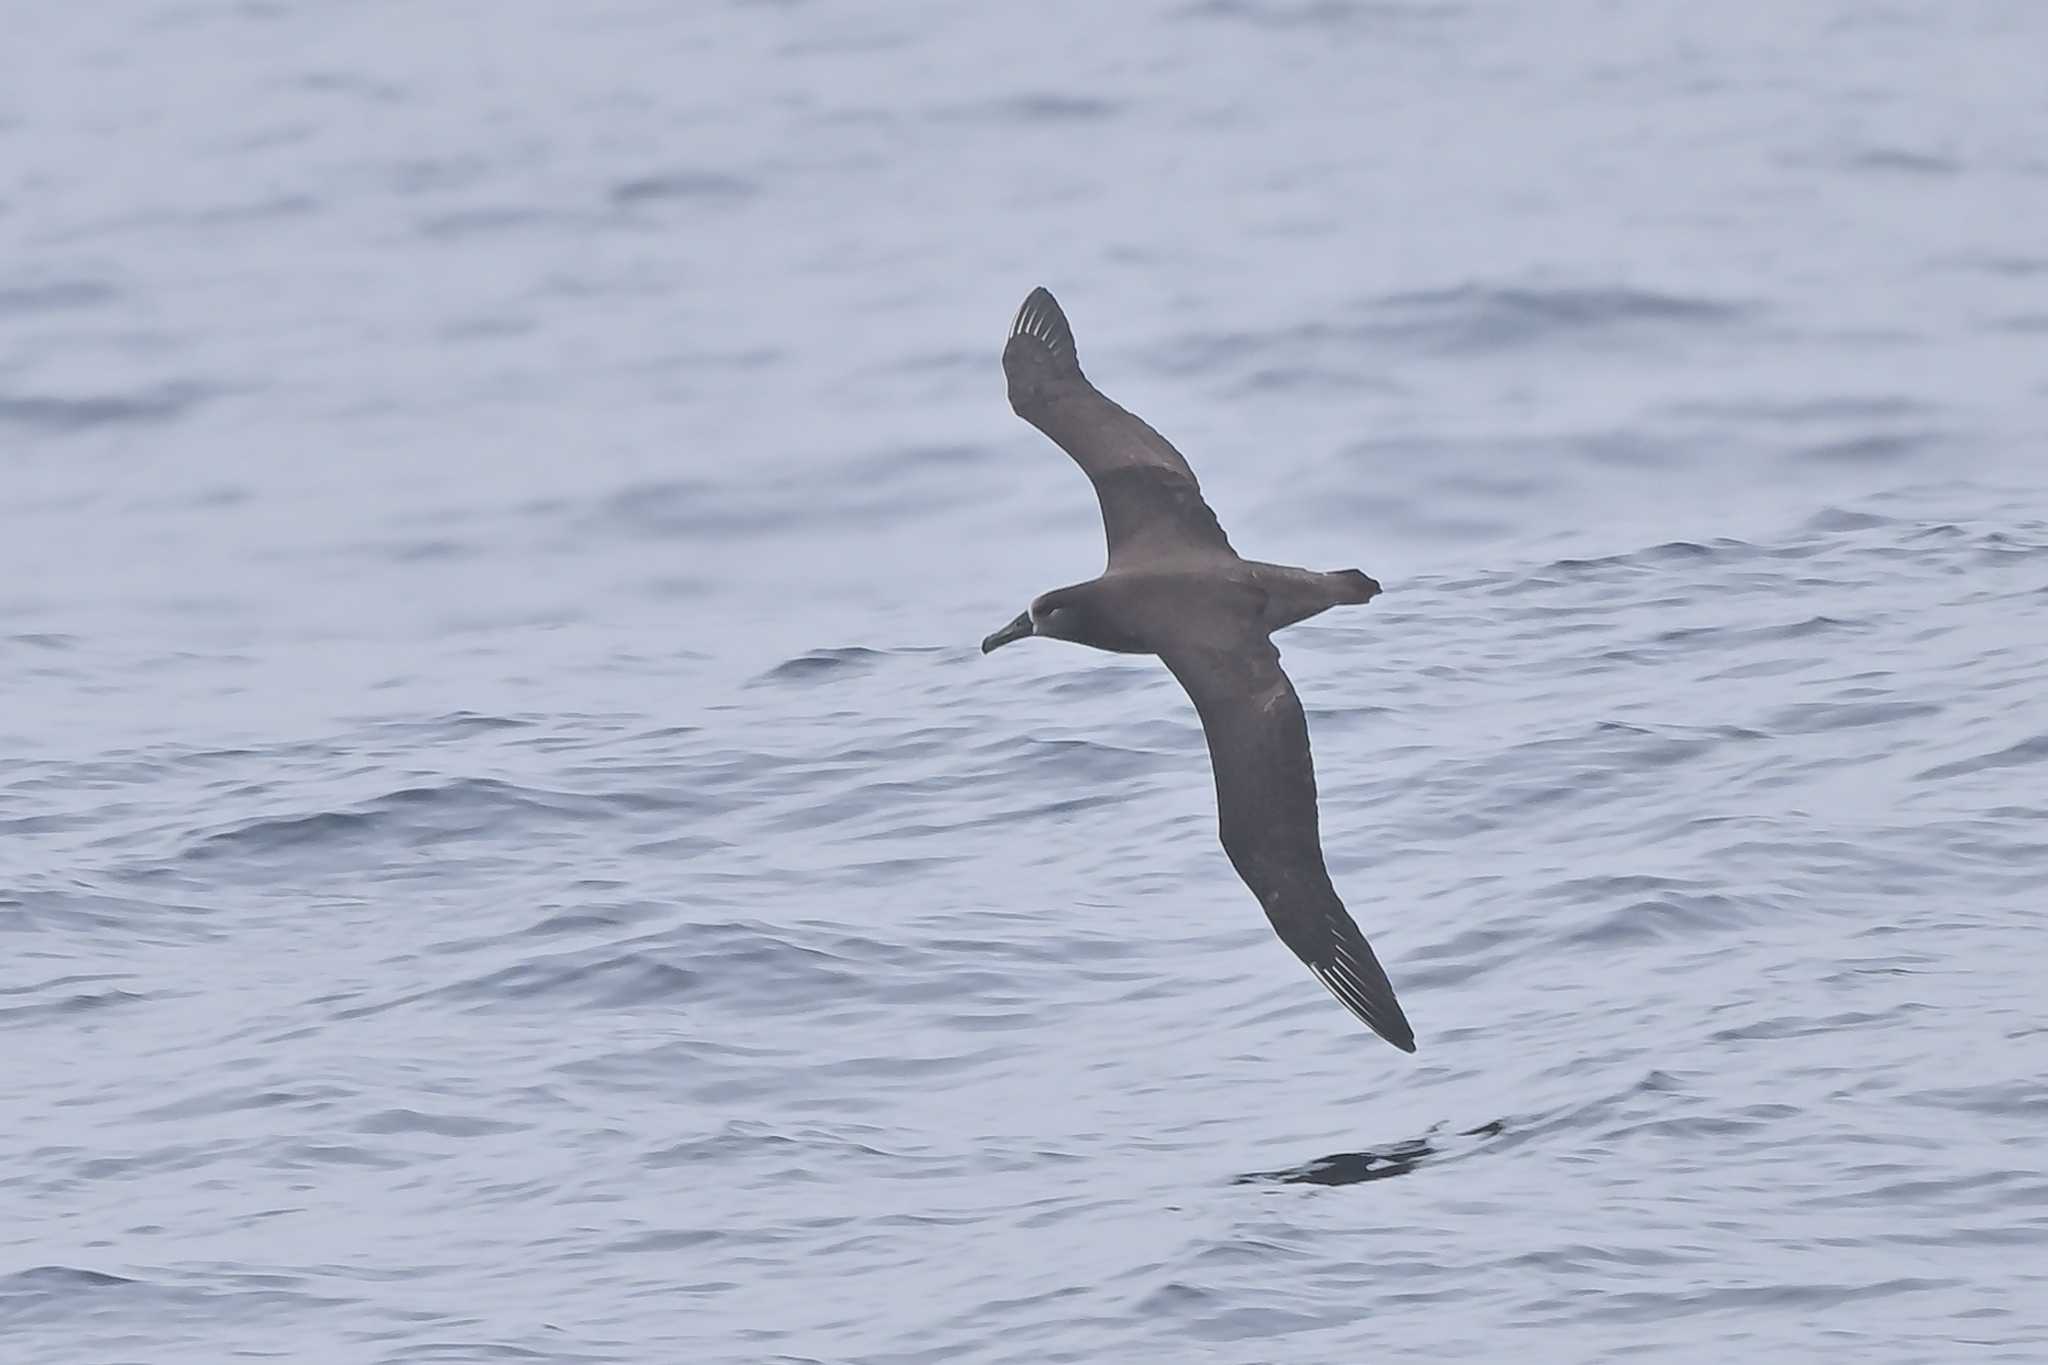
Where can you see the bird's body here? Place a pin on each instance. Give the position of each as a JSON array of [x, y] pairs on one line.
[[1174, 587]]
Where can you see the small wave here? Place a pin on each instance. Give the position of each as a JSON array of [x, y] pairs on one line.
[[1381, 16], [698, 186], [461, 224], [389, 1121], [1046, 107], [1835, 520], [1650, 558], [423, 815], [1807, 412], [64, 414], [821, 664], [1812, 717], [1901, 161], [41, 1292], [729, 960], [1484, 318], [1873, 448], [1662, 919], [450, 725], [2027, 751], [66, 1006], [56, 296]]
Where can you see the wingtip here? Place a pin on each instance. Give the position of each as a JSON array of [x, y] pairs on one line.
[[1041, 319], [1395, 1031], [1374, 1006]]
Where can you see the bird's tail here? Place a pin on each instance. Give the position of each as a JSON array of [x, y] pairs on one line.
[[1357, 587]]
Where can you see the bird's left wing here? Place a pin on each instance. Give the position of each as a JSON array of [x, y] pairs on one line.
[[1152, 506], [1266, 817]]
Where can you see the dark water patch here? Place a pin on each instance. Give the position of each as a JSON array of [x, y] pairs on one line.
[[44, 639], [487, 327], [1653, 559], [424, 551], [67, 1006], [1490, 318], [355, 84], [48, 1293], [2021, 1103], [596, 980], [2007, 266], [1043, 107], [1902, 161], [1031, 759], [1840, 520], [1282, 380], [1826, 410], [424, 816], [746, 1140], [1471, 320], [453, 725], [595, 916], [1464, 955], [1731, 638], [700, 509], [1382, 17], [1664, 919], [67, 414], [1814, 717], [57, 1278], [590, 918], [1739, 1301], [685, 184], [422, 175], [303, 1155], [173, 1157], [55, 296], [87, 913], [389, 1121], [1876, 448], [915, 463], [2027, 751], [281, 833], [769, 969], [262, 210], [43, 824], [1086, 681], [239, 1099], [1807, 1025], [824, 664], [464, 224]]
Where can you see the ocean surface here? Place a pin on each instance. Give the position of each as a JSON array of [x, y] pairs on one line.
[[509, 850]]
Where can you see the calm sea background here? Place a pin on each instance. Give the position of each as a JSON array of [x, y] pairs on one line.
[[509, 850]]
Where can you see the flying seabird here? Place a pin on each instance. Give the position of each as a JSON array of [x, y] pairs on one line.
[[1175, 588]]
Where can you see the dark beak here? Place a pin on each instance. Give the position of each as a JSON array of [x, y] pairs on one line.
[[1016, 630]]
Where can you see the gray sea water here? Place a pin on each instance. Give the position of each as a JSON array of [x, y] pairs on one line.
[[509, 850]]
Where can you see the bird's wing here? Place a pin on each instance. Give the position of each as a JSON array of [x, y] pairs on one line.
[[1266, 816], [1151, 504]]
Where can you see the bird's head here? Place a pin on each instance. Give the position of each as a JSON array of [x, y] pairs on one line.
[[1048, 615], [1016, 630]]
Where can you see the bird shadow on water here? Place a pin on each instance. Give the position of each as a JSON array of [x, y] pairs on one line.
[[1354, 1168]]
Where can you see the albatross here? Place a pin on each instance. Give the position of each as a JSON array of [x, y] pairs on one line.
[[1175, 588]]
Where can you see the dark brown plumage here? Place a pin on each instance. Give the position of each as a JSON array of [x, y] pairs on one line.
[[1174, 587]]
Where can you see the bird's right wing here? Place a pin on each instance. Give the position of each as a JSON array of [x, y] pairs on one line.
[[1151, 503], [1266, 816]]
